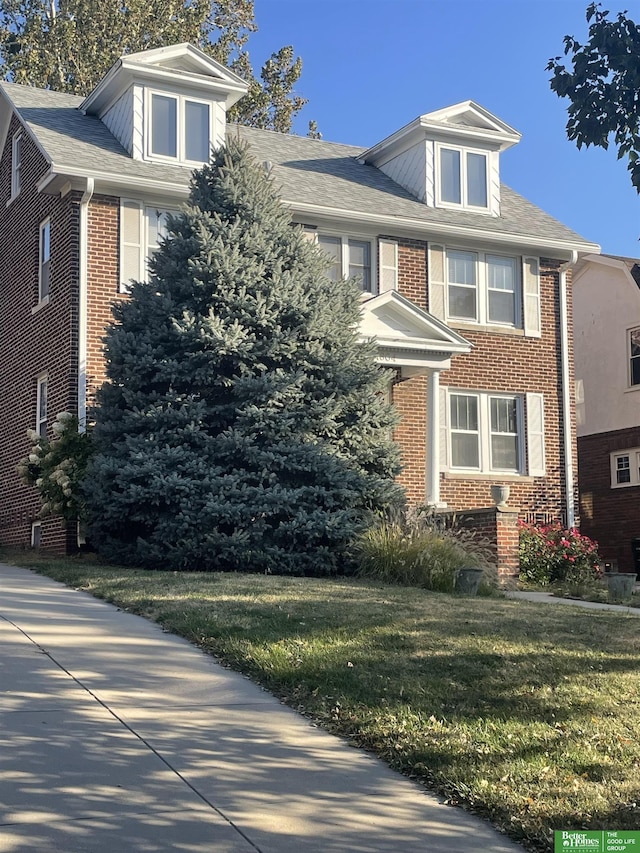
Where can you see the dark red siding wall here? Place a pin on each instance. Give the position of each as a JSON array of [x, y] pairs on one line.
[[610, 516]]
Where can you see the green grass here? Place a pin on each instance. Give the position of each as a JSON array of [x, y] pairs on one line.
[[527, 714]]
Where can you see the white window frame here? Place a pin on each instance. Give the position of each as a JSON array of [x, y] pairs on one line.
[[633, 455], [630, 357], [484, 431], [44, 264], [42, 382], [36, 534], [464, 187], [181, 129], [141, 242], [482, 289], [344, 254], [17, 143]]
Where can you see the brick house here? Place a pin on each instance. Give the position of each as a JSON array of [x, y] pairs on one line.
[[466, 285], [607, 349]]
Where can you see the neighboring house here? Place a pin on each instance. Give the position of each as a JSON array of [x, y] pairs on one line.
[[466, 285], [607, 354]]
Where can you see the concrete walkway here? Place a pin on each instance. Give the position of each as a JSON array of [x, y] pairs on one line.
[[547, 598], [116, 736]]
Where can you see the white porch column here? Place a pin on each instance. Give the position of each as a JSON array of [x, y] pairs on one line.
[[433, 439]]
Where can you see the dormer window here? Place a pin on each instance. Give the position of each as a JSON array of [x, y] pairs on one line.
[[179, 128], [463, 178]]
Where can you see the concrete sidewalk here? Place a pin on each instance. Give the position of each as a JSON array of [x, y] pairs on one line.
[[548, 598], [116, 736]]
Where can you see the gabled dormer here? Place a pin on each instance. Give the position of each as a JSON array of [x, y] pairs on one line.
[[449, 158], [166, 105]]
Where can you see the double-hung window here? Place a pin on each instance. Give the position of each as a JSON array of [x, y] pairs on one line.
[[179, 128], [41, 404], [348, 257], [625, 468], [486, 432], [463, 178], [482, 288], [141, 229], [634, 357], [44, 266], [16, 163]]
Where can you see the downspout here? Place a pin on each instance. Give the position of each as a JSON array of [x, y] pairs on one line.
[[566, 391], [83, 281]]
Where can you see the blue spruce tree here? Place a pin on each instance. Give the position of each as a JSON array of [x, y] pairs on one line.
[[243, 425]]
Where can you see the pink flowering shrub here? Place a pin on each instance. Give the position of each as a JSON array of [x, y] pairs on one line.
[[552, 554]]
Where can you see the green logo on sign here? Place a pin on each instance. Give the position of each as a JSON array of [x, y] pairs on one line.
[[609, 841]]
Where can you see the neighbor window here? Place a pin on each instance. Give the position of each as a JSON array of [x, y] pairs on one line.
[[16, 163], [625, 468], [41, 405], [485, 432], [44, 275], [463, 178], [348, 257], [483, 288], [634, 357], [180, 128]]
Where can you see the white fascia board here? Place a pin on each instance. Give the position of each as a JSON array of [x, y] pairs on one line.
[[452, 340], [139, 67], [119, 184], [496, 125], [401, 225]]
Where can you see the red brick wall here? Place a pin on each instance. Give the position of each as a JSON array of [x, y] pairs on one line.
[[410, 398], [501, 362], [103, 282], [33, 342], [610, 516]]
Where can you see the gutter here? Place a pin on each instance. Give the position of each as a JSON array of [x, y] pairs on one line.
[[83, 281], [566, 392]]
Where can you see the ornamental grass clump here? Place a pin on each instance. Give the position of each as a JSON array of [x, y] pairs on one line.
[[421, 550], [554, 555]]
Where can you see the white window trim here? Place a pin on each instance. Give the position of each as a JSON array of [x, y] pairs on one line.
[[344, 240], [482, 289], [41, 379], [484, 432], [36, 534], [43, 298], [634, 467], [16, 165], [181, 126], [464, 150], [630, 385]]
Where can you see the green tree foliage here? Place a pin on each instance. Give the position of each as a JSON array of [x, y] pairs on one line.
[[69, 45], [243, 424], [603, 86], [57, 466]]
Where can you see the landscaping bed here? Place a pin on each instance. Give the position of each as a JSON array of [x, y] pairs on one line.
[[526, 714]]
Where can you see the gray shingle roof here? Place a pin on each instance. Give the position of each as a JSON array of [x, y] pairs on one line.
[[306, 170]]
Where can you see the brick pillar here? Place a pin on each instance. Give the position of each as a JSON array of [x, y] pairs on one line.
[[498, 525]]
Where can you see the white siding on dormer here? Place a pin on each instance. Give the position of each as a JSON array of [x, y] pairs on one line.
[[409, 169], [138, 123], [430, 197], [119, 119], [494, 183]]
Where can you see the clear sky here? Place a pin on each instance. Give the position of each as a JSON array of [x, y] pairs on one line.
[[371, 66]]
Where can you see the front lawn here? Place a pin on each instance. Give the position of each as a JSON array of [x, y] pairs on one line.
[[527, 714]]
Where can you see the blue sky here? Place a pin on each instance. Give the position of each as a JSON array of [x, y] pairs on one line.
[[371, 66]]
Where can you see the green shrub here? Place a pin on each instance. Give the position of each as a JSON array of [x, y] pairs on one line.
[[420, 550], [554, 555], [56, 467]]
